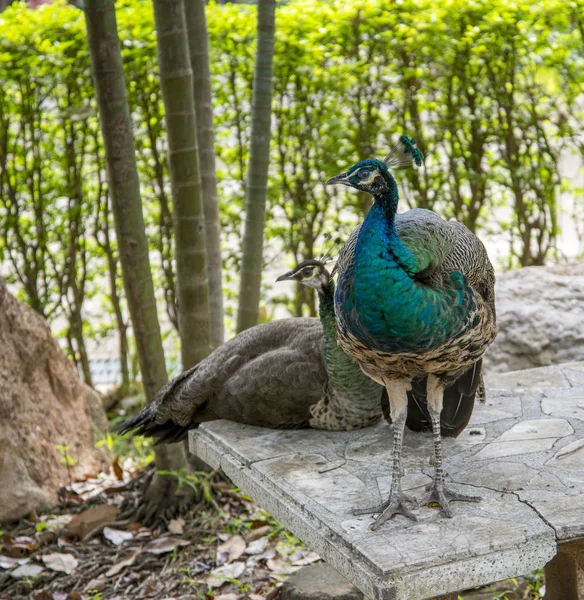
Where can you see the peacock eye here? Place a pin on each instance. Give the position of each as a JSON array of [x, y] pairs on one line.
[[363, 173], [308, 272]]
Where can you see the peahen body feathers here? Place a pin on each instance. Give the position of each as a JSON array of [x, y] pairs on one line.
[[288, 373]]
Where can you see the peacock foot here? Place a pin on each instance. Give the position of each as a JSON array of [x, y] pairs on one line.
[[395, 505], [440, 494]]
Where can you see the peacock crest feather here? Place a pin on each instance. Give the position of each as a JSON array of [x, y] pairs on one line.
[[404, 154]]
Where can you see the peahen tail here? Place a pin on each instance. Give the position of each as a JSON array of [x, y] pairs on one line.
[[152, 421]]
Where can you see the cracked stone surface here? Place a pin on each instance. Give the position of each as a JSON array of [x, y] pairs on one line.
[[523, 452]]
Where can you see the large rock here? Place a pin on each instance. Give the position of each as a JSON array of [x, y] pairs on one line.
[[43, 404], [540, 312]]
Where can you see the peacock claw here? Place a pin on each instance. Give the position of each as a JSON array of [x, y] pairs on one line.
[[442, 495], [395, 505]]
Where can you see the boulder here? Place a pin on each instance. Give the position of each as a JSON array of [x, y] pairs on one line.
[[43, 404], [540, 312]]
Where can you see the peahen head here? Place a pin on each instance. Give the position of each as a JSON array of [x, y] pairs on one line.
[[373, 176], [311, 273]]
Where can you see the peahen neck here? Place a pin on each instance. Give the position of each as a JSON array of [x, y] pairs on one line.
[[346, 380], [391, 310]]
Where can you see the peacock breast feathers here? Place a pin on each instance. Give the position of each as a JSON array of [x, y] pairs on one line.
[[452, 267]]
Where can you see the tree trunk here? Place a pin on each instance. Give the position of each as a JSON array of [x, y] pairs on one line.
[[77, 335], [257, 172], [199, 50], [161, 498], [176, 81]]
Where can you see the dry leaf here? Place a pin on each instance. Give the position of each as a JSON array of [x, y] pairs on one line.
[[230, 550], [227, 597], [279, 566], [271, 553], [128, 560], [64, 563], [255, 534], [20, 547], [311, 557], [217, 577], [116, 536], [27, 570], [164, 545], [98, 584], [257, 546], [118, 471], [176, 526], [90, 519], [8, 562], [58, 522]]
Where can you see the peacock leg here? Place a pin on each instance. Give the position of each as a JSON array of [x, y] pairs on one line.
[[438, 492], [396, 503]]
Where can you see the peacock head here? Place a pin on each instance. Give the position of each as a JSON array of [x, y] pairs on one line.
[[311, 273], [373, 176]]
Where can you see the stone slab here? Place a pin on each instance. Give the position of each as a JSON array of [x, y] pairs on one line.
[[523, 452]]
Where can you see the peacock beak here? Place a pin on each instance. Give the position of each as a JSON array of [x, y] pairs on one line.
[[291, 275], [341, 178]]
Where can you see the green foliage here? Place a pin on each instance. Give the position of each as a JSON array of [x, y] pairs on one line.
[[491, 89]]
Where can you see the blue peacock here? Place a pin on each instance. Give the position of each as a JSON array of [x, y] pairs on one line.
[[414, 303]]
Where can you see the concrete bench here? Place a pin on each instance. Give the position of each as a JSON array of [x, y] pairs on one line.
[[523, 452]]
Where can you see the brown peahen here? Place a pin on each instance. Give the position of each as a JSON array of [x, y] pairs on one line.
[[288, 373], [414, 299]]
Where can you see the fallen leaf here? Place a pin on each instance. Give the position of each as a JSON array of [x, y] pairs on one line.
[[257, 546], [98, 584], [90, 519], [256, 558], [279, 566], [8, 562], [60, 596], [118, 471], [255, 534], [43, 595], [116, 536], [64, 563], [230, 550], [164, 545], [27, 570], [196, 567], [58, 522], [128, 560], [176, 526], [20, 547], [311, 557], [231, 596], [217, 577]]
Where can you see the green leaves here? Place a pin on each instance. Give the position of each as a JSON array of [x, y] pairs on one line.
[[490, 89]]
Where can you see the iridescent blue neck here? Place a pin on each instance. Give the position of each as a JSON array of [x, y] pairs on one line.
[[385, 208]]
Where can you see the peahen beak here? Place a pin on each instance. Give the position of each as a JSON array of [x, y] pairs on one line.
[[291, 275], [341, 178]]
